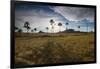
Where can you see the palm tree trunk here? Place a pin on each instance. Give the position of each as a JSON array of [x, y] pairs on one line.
[[87, 27], [59, 29]]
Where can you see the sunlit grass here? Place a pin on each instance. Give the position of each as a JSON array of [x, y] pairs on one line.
[[63, 48]]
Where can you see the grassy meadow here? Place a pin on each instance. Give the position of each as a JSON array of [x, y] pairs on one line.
[[46, 48]]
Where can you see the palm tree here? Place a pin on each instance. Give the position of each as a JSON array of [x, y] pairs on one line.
[[79, 28], [67, 25], [59, 24], [35, 29], [47, 29], [32, 30], [27, 26], [52, 24], [52, 21]]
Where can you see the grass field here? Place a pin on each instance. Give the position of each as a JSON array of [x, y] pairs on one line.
[[44, 48]]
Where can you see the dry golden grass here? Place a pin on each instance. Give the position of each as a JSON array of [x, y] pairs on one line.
[[47, 49]]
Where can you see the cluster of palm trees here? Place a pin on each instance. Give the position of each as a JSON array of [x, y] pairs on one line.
[[27, 26], [52, 23], [60, 24]]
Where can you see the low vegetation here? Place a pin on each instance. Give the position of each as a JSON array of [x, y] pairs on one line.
[[44, 48]]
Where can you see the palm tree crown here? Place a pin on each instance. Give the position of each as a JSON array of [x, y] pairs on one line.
[[67, 23], [35, 29], [51, 21], [59, 24], [78, 26], [47, 28], [26, 24]]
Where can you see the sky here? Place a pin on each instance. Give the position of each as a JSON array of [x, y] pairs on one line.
[[39, 17]]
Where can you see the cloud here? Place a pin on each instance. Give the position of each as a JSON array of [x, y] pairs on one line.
[[75, 13]]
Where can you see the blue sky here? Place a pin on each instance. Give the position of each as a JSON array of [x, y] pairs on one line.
[[39, 17]]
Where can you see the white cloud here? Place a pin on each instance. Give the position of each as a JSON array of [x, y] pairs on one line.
[[75, 13]]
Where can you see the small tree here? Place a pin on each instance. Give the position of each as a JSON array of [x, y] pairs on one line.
[[79, 28], [59, 24], [20, 30], [32, 30], [40, 31], [47, 29], [52, 23], [67, 25], [16, 28]]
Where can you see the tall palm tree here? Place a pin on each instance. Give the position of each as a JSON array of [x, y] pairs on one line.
[[59, 24], [52, 21], [35, 29], [27, 26], [67, 25], [52, 25], [47, 29], [79, 28]]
